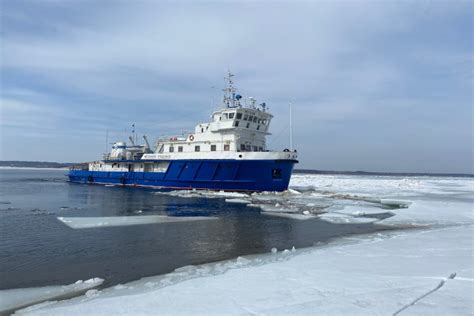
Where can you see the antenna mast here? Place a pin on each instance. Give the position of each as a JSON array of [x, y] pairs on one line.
[[291, 131], [106, 140], [229, 91]]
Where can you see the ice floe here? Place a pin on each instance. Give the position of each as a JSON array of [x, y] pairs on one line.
[[93, 222], [290, 215], [338, 218], [238, 201], [11, 300], [203, 193]]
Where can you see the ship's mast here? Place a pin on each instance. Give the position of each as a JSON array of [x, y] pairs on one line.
[[229, 91], [291, 131]]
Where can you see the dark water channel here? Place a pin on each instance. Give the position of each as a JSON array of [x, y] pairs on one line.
[[37, 250]]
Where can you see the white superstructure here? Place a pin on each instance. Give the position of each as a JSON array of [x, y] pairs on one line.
[[234, 131]]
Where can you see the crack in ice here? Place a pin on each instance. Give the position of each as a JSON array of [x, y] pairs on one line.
[[440, 285]]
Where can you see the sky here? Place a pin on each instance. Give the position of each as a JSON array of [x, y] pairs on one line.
[[374, 85]]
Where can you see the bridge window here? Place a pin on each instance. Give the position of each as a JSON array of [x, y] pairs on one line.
[[246, 117], [180, 149], [248, 125], [226, 147], [236, 123], [242, 147], [148, 167], [171, 149], [258, 127], [255, 119], [231, 115], [197, 148], [213, 147], [250, 118], [248, 148], [255, 148], [239, 116], [161, 166]]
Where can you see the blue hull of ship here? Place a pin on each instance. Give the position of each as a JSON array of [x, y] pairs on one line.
[[228, 175]]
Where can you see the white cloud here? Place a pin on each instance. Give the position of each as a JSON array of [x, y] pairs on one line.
[[150, 62]]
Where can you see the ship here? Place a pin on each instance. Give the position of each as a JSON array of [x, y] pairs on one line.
[[228, 153]]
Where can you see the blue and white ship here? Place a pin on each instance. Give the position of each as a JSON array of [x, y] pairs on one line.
[[228, 153]]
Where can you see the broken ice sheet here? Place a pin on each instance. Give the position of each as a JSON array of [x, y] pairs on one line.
[[92, 222], [14, 299]]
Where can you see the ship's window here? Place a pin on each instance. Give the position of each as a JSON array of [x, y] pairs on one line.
[[239, 116], [255, 119], [248, 148], [242, 147], [148, 167], [161, 166], [259, 121], [171, 149], [260, 148], [255, 148], [202, 130], [276, 173], [248, 125], [226, 147], [180, 149], [197, 148], [246, 117], [213, 147], [231, 115], [250, 118], [264, 122], [258, 127], [236, 123]]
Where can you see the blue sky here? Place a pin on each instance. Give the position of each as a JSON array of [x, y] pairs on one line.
[[375, 86]]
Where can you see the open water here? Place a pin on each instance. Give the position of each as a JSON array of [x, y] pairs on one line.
[[36, 249]]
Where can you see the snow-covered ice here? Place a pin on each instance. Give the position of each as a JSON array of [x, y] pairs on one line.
[[10, 300], [203, 193], [238, 201], [425, 267], [92, 222]]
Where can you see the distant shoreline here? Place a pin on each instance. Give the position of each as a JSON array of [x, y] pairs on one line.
[[31, 168], [14, 164]]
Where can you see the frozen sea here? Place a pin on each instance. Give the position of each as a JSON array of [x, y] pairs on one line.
[[331, 245]]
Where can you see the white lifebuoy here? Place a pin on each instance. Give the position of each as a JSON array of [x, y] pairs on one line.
[[191, 137]]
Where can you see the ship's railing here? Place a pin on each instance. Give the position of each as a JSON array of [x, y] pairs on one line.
[[182, 137], [81, 166]]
